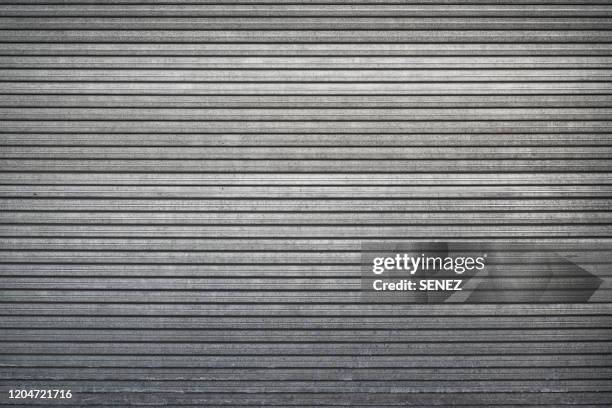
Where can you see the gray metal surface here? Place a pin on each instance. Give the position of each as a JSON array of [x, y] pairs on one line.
[[185, 186]]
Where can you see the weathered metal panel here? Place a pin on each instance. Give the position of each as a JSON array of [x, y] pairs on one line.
[[185, 186]]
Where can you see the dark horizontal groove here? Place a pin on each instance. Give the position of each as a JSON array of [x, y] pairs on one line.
[[433, 211], [323, 405], [393, 146], [238, 54], [133, 106], [291, 95], [101, 81], [172, 329], [304, 185], [276, 380], [308, 172], [544, 118], [295, 146], [218, 263], [23, 67], [406, 198], [231, 15], [267, 277], [291, 393], [254, 251], [300, 3], [307, 224], [509, 157], [332, 342], [303, 199], [301, 316], [238, 278], [219, 276], [489, 105], [510, 250], [590, 405], [309, 29], [382, 184], [300, 355], [51, 302], [309, 368], [304, 224], [272, 290], [317, 393], [75, 41], [297, 3], [195, 263]]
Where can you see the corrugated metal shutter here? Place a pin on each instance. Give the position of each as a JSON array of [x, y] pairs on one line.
[[186, 184]]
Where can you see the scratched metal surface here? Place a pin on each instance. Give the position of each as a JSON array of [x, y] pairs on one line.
[[185, 185]]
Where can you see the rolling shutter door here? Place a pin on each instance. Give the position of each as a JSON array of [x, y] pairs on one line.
[[186, 185]]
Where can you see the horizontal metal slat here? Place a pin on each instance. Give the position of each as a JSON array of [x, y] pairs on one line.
[[243, 23], [290, 35], [304, 10], [371, 218], [301, 49], [270, 296], [332, 103], [377, 139]]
